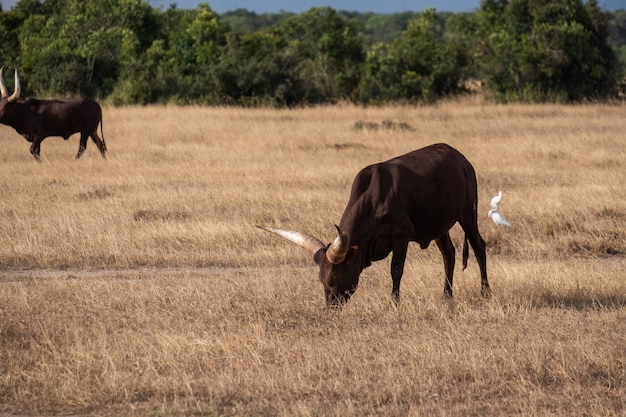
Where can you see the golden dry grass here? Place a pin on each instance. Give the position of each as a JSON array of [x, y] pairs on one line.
[[140, 286]]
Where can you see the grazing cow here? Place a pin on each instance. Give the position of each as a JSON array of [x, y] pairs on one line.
[[416, 197], [37, 119]]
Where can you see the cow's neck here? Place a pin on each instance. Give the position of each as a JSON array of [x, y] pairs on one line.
[[359, 222], [21, 119]]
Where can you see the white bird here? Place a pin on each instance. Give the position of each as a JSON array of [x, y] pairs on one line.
[[495, 201], [498, 218]]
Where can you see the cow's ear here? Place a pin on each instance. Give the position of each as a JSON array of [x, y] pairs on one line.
[[319, 256], [352, 252]]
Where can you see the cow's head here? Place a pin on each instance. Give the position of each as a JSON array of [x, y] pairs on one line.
[[338, 262], [7, 101]]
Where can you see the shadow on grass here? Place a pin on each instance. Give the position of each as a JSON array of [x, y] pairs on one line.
[[580, 300]]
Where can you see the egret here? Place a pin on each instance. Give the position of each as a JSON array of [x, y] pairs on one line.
[[498, 218], [495, 201]]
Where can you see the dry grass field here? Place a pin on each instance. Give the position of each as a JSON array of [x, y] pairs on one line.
[[138, 285]]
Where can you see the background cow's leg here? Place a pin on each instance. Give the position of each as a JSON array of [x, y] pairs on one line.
[[447, 251], [83, 144], [99, 142], [35, 147], [478, 246], [397, 267]]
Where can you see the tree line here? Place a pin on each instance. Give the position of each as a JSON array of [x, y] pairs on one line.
[[128, 52]]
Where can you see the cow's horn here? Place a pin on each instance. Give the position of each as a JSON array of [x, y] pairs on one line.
[[3, 88], [338, 249], [309, 243], [17, 91]]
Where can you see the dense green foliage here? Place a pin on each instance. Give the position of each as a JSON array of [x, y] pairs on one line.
[[617, 33], [545, 50], [422, 63], [128, 52]]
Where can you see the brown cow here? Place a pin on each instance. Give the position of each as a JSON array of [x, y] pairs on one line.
[[38, 119], [416, 197]]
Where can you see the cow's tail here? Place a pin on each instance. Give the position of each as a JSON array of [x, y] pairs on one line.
[[465, 252]]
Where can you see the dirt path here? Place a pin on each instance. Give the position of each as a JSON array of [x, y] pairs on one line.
[[148, 273], [133, 274]]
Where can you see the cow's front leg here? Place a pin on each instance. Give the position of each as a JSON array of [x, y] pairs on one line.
[[397, 268]]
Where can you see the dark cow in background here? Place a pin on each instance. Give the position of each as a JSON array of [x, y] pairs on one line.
[[416, 197], [37, 119]]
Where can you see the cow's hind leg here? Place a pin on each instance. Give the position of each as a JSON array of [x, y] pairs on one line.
[[397, 268], [478, 246], [83, 144], [35, 148], [102, 147], [447, 251]]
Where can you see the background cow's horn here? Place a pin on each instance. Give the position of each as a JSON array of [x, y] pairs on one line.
[[17, 91], [338, 249], [3, 88], [308, 242]]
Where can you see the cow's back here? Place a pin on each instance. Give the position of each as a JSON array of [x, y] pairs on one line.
[[66, 117], [421, 193], [440, 168]]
